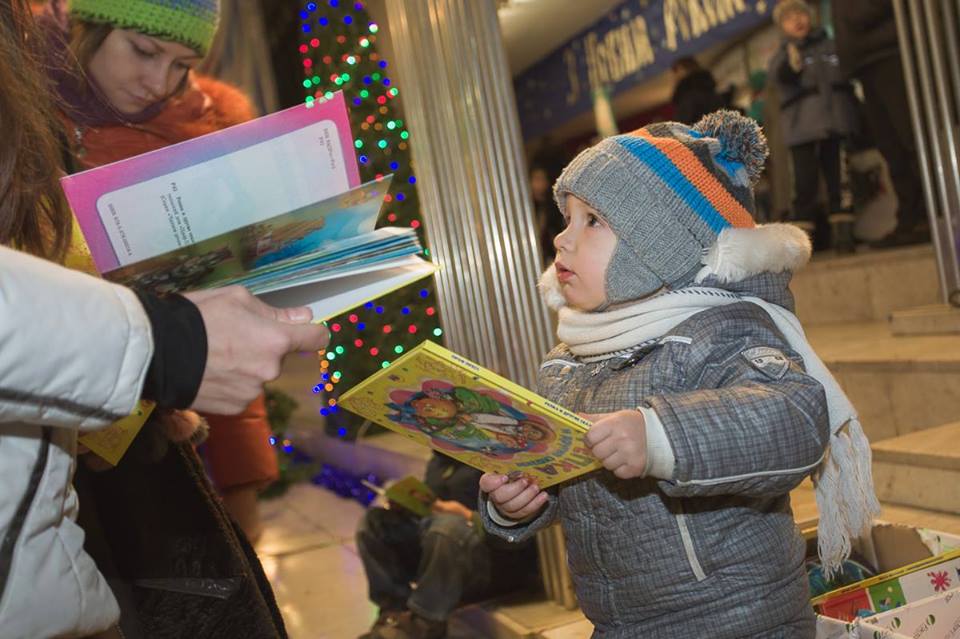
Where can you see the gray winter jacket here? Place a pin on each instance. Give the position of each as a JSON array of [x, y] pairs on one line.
[[713, 551], [818, 102]]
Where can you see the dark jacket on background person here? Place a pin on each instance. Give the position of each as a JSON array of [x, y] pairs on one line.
[[817, 102], [695, 96], [865, 32]]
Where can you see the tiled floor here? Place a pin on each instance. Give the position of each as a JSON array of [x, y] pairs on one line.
[[308, 553]]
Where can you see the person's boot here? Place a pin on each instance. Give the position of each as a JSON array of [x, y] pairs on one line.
[[410, 625], [841, 233], [387, 617]]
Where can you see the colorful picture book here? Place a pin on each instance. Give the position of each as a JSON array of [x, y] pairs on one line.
[[409, 493], [274, 204], [442, 400]]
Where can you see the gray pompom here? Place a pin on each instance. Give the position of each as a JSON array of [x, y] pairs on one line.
[[741, 139]]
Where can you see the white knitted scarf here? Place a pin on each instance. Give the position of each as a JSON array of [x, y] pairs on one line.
[[844, 485]]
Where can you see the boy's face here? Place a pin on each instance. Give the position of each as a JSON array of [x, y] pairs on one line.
[[584, 249], [796, 24]]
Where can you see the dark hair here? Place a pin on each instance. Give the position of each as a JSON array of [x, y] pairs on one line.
[[34, 215]]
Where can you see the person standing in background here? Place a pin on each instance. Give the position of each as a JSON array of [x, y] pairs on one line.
[[818, 113], [868, 48]]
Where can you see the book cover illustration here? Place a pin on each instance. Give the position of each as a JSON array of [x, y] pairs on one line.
[[456, 407], [185, 193], [288, 246]]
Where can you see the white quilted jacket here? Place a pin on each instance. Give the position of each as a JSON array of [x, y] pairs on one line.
[[74, 352]]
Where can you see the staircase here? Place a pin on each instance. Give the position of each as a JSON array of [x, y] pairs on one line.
[[906, 388]]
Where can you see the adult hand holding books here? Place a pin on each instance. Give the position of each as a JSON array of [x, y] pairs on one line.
[[246, 341]]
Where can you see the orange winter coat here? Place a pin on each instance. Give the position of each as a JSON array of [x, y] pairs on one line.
[[238, 449]]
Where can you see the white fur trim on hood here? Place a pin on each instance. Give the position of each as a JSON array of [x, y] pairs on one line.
[[737, 254], [740, 253]]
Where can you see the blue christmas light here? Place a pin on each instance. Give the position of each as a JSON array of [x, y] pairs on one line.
[[342, 431], [324, 412], [306, 28], [311, 6], [379, 310], [357, 101], [412, 180], [394, 166], [386, 82], [368, 305], [405, 310], [383, 64], [363, 160], [367, 79], [424, 293], [334, 3], [304, 15], [323, 21], [361, 326], [401, 197], [348, 19]]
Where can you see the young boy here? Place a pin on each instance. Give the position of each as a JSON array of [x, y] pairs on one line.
[[708, 404], [818, 112]]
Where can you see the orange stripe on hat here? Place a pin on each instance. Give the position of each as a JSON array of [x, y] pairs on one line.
[[701, 178]]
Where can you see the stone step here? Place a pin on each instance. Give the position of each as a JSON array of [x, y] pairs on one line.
[[866, 286], [921, 469], [898, 384]]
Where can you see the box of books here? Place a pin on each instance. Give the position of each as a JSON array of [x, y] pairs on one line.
[[442, 400], [912, 564], [935, 617]]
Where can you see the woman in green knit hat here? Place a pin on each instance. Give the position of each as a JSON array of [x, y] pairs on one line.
[[124, 70], [125, 74]]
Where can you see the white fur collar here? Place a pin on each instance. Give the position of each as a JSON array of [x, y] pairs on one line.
[[737, 254], [740, 253]]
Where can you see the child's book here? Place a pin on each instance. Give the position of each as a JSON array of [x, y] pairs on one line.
[[442, 400], [409, 493], [274, 204]]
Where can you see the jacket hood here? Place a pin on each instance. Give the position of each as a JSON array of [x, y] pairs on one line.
[[758, 261]]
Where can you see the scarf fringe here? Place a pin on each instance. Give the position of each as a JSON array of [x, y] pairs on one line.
[[846, 501]]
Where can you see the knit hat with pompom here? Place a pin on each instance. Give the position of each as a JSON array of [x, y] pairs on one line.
[[189, 22], [667, 191]]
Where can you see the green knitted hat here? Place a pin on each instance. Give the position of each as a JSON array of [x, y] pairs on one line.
[[189, 22]]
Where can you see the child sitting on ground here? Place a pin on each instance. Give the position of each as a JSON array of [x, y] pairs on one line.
[[708, 404]]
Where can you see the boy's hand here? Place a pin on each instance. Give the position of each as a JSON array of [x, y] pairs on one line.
[[619, 441], [517, 499]]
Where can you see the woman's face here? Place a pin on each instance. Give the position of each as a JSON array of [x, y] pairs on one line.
[[135, 71]]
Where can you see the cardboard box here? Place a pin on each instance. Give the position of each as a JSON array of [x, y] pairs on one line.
[[909, 571], [936, 617], [828, 628]]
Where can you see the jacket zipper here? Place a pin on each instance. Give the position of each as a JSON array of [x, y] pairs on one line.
[[688, 548], [9, 543]]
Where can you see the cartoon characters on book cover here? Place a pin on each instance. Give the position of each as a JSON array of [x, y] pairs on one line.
[[474, 416]]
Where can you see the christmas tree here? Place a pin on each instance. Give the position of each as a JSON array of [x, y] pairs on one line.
[[339, 53]]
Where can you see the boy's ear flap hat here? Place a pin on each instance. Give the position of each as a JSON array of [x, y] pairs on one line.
[[190, 22], [675, 196]]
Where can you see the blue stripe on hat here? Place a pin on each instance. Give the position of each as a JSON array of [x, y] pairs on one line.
[[674, 179]]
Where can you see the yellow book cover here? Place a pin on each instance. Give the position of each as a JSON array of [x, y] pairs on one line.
[[442, 400]]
